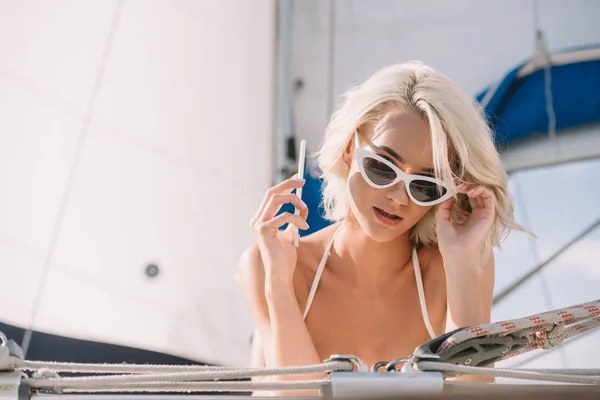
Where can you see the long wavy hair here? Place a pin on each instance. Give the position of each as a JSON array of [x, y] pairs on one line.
[[461, 140]]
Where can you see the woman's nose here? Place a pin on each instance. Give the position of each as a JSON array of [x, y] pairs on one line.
[[398, 193]]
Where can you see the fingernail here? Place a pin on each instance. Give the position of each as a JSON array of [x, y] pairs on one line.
[[470, 191], [307, 226], [460, 185], [304, 204], [300, 180]]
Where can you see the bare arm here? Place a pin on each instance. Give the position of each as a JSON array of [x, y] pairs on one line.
[[291, 343], [470, 295], [283, 336], [469, 278], [468, 307]]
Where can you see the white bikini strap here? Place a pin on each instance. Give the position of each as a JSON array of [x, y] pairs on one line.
[[415, 258], [315, 284]]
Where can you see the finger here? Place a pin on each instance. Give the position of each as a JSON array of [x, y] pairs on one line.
[[480, 197], [303, 215], [277, 201], [487, 197], [271, 227], [283, 187], [464, 187], [444, 211], [472, 199], [480, 202]]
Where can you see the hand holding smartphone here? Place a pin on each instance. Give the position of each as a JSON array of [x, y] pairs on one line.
[[301, 163]]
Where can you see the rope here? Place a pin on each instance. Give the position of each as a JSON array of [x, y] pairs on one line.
[[523, 361], [103, 381], [508, 373], [544, 330], [116, 368], [329, 366], [206, 387], [552, 335], [570, 371], [548, 87]]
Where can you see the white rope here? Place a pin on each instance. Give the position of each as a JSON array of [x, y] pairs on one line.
[[542, 55], [562, 371], [543, 49], [116, 368], [328, 366], [206, 387], [508, 373], [102, 381]]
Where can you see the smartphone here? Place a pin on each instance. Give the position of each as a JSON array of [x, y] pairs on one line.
[[301, 163]]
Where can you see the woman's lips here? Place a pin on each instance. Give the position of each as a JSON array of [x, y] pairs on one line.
[[386, 217]]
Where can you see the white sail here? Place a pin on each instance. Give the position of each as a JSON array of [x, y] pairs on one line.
[[133, 133]]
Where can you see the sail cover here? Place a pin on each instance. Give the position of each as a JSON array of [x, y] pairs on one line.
[[561, 91]]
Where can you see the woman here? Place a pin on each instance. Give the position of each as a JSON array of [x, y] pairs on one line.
[[419, 198]]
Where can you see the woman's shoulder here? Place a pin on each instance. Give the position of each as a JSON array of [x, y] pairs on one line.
[[430, 259], [250, 271], [312, 247]]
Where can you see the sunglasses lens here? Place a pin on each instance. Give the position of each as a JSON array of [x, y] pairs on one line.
[[378, 172], [426, 191]]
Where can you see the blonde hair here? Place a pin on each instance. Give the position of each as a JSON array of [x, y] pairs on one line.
[[461, 141]]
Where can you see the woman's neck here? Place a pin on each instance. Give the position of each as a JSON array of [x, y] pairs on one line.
[[365, 262]]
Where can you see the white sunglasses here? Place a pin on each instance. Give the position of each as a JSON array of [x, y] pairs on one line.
[[381, 173]]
